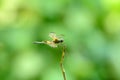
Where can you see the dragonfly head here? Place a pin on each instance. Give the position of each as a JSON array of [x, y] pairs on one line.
[[61, 40]]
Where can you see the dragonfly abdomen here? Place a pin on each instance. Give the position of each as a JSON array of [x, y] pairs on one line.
[[42, 42]]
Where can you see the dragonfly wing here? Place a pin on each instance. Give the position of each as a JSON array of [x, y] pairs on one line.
[[61, 36], [52, 35]]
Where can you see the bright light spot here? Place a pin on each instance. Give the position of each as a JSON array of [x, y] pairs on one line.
[[27, 65]]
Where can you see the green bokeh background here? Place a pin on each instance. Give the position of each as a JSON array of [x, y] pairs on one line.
[[91, 30]]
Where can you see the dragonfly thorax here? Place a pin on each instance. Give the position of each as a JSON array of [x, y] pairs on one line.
[[58, 41]]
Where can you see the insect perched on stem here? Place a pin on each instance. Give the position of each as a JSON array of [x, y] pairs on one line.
[[55, 42]]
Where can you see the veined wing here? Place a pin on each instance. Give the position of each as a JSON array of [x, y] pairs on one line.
[[54, 36]]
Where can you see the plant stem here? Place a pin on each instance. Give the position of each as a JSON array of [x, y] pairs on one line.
[[61, 64]]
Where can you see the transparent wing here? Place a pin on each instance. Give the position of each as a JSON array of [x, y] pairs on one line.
[[60, 37], [54, 36]]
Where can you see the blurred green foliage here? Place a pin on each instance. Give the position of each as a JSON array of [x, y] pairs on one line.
[[91, 30]]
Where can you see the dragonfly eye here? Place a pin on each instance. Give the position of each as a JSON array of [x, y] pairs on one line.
[[61, 40]]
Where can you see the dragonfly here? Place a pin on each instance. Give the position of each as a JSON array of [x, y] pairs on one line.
[[55, 42]]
